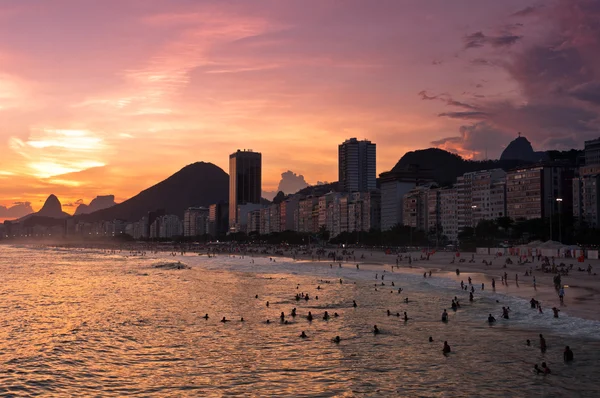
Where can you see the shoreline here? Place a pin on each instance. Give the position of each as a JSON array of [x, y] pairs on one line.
[[582, 291]]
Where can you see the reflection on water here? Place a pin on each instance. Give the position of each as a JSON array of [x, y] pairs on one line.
[[83, 323]]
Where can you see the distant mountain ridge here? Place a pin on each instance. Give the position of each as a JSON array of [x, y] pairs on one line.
[[98, 203], [198, 184]]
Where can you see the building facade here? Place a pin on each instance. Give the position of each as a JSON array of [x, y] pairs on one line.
[[532, 192], [357, 165], [245, 182]]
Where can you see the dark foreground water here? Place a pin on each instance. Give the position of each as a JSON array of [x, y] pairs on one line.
[[83, 323]]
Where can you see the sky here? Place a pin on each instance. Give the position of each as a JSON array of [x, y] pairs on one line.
[[111, 97]]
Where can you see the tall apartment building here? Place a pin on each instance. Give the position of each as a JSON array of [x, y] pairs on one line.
[[357, 166], [415, 207], [592, 152], [245, 179], [195, 221], [531, 192], [586, 187], [448, 210], [394, 185], [288, 212], [480, 197], [218, 219], [308, 215]]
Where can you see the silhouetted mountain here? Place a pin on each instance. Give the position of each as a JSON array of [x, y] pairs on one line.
[[198, 184], [520, 149], [51, 209], [318, 190], [445, 166], [98, 203]]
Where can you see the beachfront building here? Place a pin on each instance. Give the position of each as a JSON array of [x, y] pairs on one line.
[[308, 215], [532, 192], [448, 212], [394, 185], [288, 213], [245, 179], [415, 207], [357, 166], [265, 221], [586, 196], [195, 221], [218, 219], [480, 196]]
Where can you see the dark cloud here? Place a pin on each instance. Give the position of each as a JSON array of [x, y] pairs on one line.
[[19, 210], [526, 12], [447, 99], [464, 115], [557, 76], [479, 141], [589, 92], [478, 39]]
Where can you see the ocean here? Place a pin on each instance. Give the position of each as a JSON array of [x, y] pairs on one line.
[[81, 322]]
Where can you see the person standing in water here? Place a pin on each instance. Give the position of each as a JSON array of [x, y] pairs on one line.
[[446, 349]]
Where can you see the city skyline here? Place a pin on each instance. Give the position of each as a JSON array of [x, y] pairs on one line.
[[110, 100]]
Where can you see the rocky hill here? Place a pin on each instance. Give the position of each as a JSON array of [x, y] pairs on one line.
[[198, 184]]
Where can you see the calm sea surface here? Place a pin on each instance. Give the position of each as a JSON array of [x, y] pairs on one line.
[[85, 323]]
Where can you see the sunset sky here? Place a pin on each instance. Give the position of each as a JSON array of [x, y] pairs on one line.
[[112, 96]]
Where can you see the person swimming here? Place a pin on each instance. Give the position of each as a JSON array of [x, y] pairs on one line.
[[303, 335], [406, 300], [504, 313], [471, 296], [282, 316], [242, 320], [491, 319], [389, 313], [224, 320], [205, 316], [454, 306], [294, 311], [335, 315], [545, 368], [542, 343], [537, 369], [430, 339], [375, 329], [326, 316], [309, 316], [444, 316], [567, 354], [267, 303], [446, 349], [354, 303], [337, 339]]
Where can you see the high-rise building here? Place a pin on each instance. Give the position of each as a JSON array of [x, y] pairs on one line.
[[357, 166], [481, 196], [195, 221], [532, 192], [592, 152], [245, 171], [586, 188], [218, 219], [394, 184]]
